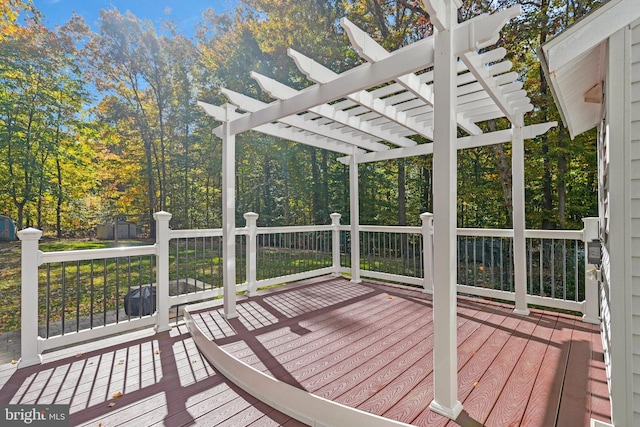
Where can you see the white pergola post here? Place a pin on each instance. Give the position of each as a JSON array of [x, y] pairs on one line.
[[354, 208], [229, 214], [445, 351], [519, 242]]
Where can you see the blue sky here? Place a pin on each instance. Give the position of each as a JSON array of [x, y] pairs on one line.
[[185, 13]]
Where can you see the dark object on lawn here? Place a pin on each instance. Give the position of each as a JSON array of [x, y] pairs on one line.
[[140, 301], [7, 228]]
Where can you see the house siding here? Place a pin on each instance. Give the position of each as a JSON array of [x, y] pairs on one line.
[[634, 176]]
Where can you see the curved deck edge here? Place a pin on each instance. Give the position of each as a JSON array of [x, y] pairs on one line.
[[294, 402]]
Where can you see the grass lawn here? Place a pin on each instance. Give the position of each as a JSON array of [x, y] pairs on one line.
[[10, 260]]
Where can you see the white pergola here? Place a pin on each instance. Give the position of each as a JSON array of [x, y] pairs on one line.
[[429, 88]]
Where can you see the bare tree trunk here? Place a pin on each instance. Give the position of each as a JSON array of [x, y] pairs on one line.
[[547, 194], [562, 172], [402, 193], [506, 175], [427, 201], [317, 199], [325, 187], [59, 196]]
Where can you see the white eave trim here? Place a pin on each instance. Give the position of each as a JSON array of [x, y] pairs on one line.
[[580, 43], [589, 32]]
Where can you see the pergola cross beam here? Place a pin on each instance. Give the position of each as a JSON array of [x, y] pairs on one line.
[[219, 113], [283, 92], [251, 105], [371, 51], [320, 74]]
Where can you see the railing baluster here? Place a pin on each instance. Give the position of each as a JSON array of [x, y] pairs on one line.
[[48, 298], [77, 296], [64, 293], [91, 295], [564, 269], [553, 268], [128, 283], [104, 292], [117, 289], [541, 267], [577, 276]]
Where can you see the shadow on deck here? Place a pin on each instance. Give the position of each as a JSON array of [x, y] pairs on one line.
[[370, 346], [162, 379], [366, 346]]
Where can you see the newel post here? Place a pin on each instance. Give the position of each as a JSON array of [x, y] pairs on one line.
[[31, 260], [591, 311], [335, 243], [162, 270], [252, 251], [427, 247]]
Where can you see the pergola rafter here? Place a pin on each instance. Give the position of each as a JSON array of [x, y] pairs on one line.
[[342, 113], [428, 89]]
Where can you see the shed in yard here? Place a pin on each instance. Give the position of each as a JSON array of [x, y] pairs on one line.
[[7, 228], [126, 230]]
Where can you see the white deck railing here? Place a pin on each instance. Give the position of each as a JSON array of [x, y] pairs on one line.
[[81, 294]]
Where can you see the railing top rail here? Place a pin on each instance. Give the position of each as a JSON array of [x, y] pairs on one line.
[[532, 234], [485, 232], [554, 234], [391, 228], [89, 254], [294, 229], [185, 234]]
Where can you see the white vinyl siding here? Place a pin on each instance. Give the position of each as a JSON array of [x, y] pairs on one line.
[[634, 177]]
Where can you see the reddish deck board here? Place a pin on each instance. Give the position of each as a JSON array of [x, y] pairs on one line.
[[163, 378], [372, 349], [369, 346]]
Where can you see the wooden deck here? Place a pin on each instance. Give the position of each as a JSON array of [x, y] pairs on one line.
[[163, 379], [369, 346]]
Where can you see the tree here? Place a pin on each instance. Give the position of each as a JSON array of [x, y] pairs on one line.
[[149, 76], [42, 95], [9, 12]]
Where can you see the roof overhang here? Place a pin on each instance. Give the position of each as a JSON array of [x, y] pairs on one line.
[[574, 63]]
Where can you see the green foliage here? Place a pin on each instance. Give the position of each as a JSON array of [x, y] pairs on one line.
[[142, 144], [41, 104]]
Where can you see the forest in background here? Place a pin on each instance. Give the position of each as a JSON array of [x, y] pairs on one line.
[[105, 123]]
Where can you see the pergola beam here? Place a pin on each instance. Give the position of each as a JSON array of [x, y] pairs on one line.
[[251, 105], [283, 92], [489, 84], [414, 57], [497, 137], [370, 50], [319, 73], [473, 34], [284, 133]]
